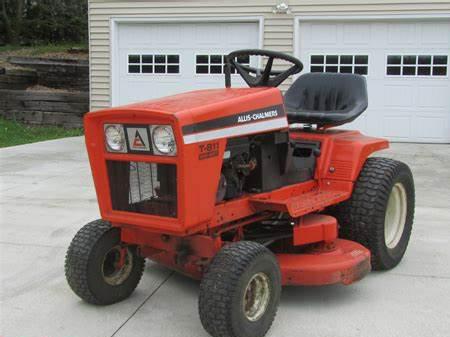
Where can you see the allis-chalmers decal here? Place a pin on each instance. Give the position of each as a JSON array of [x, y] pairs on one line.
[[260, 120], [257, 116], [208, 150]]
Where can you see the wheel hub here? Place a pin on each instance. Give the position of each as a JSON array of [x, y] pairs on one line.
[[117, 265], [395, 218], [256, 296]]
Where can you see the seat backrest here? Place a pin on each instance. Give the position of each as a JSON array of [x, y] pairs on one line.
[[314, 97]]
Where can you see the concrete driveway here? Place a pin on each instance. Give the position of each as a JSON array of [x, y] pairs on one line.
[[47, 195]]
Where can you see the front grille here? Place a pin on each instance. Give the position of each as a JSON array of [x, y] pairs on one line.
[[148, 188]]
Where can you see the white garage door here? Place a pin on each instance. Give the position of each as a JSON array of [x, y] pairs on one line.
[[407, 69], [159, 59]]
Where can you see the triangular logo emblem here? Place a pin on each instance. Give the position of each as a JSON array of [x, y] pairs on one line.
[[138, 141]]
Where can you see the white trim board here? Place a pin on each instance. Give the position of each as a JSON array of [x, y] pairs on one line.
[[114, 26]]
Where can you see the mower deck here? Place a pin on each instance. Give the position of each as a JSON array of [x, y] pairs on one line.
[[346, 262]]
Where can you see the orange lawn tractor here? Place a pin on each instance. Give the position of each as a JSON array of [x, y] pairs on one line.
[[244, 189]]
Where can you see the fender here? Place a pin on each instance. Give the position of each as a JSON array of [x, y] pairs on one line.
[[343, 153]]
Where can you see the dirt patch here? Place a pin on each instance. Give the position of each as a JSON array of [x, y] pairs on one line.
[[51, 52]]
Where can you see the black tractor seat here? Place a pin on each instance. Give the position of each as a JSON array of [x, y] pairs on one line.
[[326, 99]]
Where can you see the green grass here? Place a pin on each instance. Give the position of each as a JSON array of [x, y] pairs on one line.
[[14, 133], [39, 49]]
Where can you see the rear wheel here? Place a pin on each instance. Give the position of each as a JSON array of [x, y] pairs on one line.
[[380, 212], [99, 268], [240, 291]]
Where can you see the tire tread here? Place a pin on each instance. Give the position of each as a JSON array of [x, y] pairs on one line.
[[78, 255], [219, 283], [361, 218]]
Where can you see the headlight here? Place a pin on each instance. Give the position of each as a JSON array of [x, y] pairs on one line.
[[164, 140], [115, 138]]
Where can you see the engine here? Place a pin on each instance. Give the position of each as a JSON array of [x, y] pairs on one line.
[[264, 162], [238, 163]]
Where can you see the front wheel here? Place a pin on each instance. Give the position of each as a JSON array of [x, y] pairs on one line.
[[240, 291], [380, 212], [99, 268]]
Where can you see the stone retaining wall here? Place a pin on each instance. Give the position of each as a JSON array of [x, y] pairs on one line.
[[44, 107], [62, 97], [57, 73]]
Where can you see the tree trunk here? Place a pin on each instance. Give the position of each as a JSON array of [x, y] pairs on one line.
[[18, 21], [6, 22], [12, 15]]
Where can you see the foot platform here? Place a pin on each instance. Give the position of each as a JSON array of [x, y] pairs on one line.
[[296, 206]]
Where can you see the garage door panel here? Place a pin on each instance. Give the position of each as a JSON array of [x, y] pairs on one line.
[[138, 89], [186, 40], [237, 35], [397, 127], [159, 35], [141, 35], [324, 34], [399, 96], [435, 33], [434, 96], [431, 129], [377, 97], [206, 37], [359, 34], [401, 34], [399, 105]]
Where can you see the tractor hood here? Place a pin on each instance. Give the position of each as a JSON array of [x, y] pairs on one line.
[[204, 115]]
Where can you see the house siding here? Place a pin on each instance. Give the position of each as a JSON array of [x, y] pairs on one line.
[[278, 30]]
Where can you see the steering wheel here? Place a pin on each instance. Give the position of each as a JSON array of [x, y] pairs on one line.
[[263, 77]]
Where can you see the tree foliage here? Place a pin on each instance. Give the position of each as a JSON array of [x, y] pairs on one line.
[[43, 21]]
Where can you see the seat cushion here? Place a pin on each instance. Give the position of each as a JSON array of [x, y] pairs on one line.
[[326, 99]]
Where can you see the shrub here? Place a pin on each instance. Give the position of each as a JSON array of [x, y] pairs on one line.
[[30, 22]]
